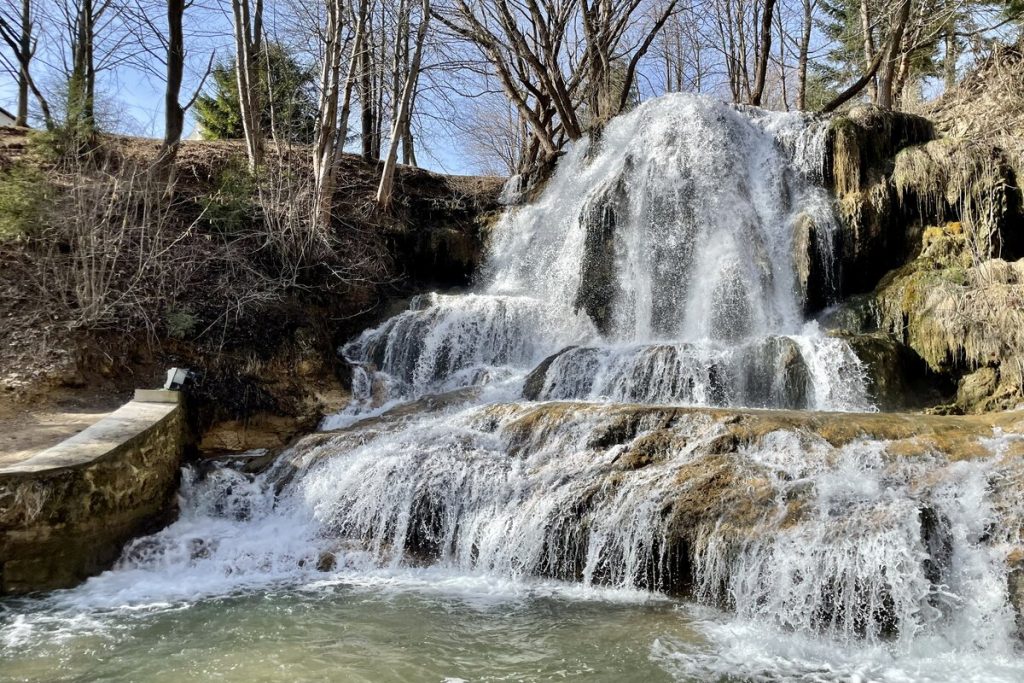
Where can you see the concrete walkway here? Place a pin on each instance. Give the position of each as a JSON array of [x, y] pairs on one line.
[[25, 433], [67, 511], [72, 439]]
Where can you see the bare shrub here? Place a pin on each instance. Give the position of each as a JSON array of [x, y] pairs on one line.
[[113, 252]]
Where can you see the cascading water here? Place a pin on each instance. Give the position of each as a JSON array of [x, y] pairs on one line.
[[671, 249], [863, 559], [659, 267]]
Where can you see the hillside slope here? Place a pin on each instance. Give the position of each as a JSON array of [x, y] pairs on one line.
[[105, 281]]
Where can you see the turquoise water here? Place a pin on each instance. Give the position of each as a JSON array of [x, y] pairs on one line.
[[342, 632], [431, 625]]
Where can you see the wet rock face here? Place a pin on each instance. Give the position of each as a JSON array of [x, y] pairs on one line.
[[860, 150], [1015, 587], [596, 295], [815, 278], [60, 526], [814, 521], [533, 386], [898, 379]]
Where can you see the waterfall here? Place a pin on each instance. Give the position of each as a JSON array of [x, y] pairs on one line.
[[863, 541], [678, 244], [663, 274]]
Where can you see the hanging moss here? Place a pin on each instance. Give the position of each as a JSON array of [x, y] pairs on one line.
[[860, 149], [960, 317], [972, 183], [862, 144]]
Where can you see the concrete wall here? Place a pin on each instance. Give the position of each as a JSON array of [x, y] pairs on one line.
[[66, 512]]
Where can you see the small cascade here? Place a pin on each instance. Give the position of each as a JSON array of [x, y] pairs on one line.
[[768, 372], [690, 225], [446, 342], [862, 541]]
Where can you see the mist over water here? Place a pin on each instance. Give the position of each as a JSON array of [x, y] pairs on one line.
[[491, 537]]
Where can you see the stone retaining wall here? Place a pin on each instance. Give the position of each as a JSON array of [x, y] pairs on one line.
[[66, 512]]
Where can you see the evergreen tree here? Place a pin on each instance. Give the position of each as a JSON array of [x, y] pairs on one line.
[[934, 38], [287, 103], [841, 25]]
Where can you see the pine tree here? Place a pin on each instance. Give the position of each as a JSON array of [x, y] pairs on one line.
[[288, 107]]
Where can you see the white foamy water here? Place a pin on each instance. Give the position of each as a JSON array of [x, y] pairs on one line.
[[856, 561], [678, 228]]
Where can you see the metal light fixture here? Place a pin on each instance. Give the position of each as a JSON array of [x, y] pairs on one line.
[[177, 378]]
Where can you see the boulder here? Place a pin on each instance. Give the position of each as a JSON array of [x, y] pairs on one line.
[[898, 379]]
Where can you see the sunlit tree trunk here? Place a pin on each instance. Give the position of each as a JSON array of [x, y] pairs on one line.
[[385, 189]]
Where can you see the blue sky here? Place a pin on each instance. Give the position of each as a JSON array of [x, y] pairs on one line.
[[134, 96]]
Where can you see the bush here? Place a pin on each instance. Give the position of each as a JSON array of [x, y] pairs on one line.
[[23, 196], [181, 324], [107, 249], [231, 209]]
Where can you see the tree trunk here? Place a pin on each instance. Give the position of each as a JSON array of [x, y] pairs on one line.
[[895, 36], [408, 141], [384, 190], [327, 111], [246, 41], [23, 47], [350, 80], [627, 84], [366, 99], [888, 76], [81, 85], [950, 58], [174, 113], [782, 60], [805, 46], [24, 57], [869, 49], [763, 52], [332, 128]]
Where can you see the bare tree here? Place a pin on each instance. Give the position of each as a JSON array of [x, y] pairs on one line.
[[87, 21], [248, 30], [174, 113], [23, 43], [764, 49], [559, 85], [742, 40], [335, 94], [680, 52], [803, 50], [384, 190]]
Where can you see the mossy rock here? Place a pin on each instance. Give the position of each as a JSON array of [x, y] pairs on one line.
[[862, 143], [898, 379]]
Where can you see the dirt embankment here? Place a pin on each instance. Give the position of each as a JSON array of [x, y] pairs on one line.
[[104, 283]]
